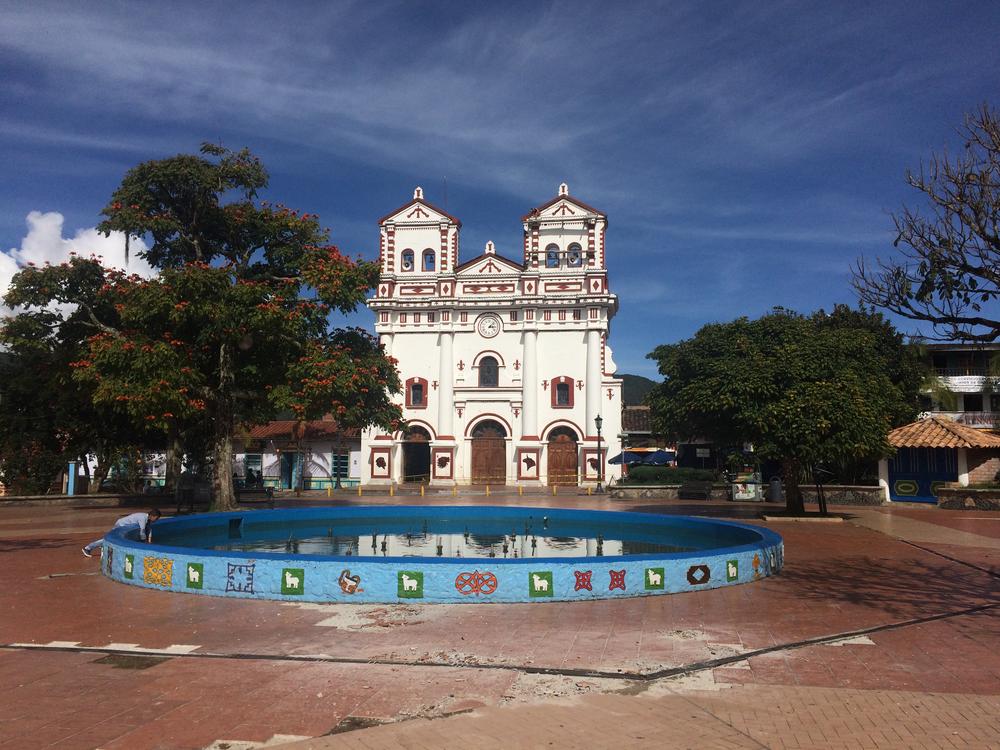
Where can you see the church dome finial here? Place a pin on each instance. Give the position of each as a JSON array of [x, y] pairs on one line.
[[563, 189], [491, 248], [418, 193]]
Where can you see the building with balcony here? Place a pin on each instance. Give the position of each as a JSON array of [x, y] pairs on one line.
[[956, 439], [969, 372]]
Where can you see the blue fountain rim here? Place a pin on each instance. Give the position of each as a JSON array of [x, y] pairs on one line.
[[129, 537]]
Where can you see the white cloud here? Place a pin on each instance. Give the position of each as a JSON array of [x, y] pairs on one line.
[[44, 243]]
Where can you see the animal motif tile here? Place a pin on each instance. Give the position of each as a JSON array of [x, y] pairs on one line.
[[540, 584], [195, 578], [128, 567], [410, 584], [732, 570], [653, 579], [293, 581]]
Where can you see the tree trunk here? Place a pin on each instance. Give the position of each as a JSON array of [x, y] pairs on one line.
[[223, 494], [793, 495], [172, 469], [100, 473], [86, 472]]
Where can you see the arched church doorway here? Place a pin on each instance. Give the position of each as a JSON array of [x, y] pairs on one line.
[[416, 455], [489, 453], [563, 456]]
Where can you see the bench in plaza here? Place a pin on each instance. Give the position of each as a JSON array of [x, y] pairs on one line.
[[695, 491], [255, 496]]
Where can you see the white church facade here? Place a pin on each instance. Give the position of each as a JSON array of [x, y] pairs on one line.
[[505, 365]]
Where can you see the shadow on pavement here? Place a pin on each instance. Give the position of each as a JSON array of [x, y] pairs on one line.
[[902, 587]]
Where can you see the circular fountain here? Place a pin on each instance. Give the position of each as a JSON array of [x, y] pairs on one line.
[[440, 554]]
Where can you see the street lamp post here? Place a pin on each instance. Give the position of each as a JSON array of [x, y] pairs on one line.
[[600, 460]]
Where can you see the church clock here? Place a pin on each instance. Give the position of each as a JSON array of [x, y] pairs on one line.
[[488, 326]]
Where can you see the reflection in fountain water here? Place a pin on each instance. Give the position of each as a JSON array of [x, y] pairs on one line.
[[449, 545], [446, 538]]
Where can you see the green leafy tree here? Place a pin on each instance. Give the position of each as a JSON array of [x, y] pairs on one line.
[[33, 442], [47, 417], [947, 272], [803, 390], [237, 325]]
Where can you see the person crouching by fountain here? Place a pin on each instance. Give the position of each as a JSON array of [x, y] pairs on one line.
[[141, 521]]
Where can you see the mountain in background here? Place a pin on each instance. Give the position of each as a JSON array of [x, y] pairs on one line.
[[635, 388]]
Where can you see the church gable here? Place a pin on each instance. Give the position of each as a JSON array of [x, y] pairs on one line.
[[488, 264], [419, 211], [563, 207]]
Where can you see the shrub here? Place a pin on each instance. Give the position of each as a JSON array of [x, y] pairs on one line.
[[667, 475]]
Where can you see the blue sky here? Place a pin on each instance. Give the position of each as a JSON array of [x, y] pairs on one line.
[[745, 153]]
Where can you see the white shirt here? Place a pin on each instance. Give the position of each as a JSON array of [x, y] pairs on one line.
[[135, 519]]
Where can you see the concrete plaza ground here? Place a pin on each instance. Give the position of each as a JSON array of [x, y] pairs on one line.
[[882, 631]]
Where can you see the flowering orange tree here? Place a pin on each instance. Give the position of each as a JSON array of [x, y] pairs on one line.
[[236, 326]]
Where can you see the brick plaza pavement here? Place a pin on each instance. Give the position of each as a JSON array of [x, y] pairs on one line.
[[882, 631]]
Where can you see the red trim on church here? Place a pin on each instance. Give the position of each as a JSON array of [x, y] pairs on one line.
[[410, 403], [424, 203], [569, 383], [533, 214]]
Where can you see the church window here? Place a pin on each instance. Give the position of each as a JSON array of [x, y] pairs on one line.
[[513, 316], [416, 393], [463, 317], [428, 260], [383, 317], [562, 392], [547, 315], [574, 256], [416, 317], [576, 315], [562, 315], [406, 262], [489, 373], [431, 317], [402, 317], [552, 256]]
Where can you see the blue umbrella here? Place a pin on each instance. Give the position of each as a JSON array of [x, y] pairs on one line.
[[630, 457], [659, 458]]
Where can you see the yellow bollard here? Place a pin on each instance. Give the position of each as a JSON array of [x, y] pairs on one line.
[[553, 490], [329, 492], [454, 490], [359, 489], [520, 490], [421, 490], [392, 491], [487, 490], [588, 490]]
